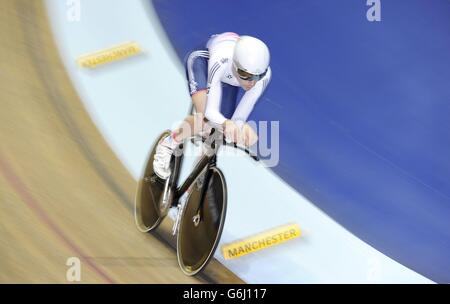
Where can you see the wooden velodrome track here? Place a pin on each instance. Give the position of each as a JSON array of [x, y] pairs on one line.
[[63, 193]]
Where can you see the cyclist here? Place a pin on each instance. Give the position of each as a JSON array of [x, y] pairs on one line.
[[215, 75]]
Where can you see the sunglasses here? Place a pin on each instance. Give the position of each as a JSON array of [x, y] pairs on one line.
[[250, 77]]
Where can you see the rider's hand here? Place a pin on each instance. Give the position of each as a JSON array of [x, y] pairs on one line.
[[231, 131], [248, 136]]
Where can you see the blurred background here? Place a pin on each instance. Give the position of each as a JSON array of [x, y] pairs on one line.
[[360, 92]]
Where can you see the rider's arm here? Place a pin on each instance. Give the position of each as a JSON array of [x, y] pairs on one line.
[[249, 100], [212, 112]]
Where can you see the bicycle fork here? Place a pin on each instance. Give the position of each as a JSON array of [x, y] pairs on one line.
[[198, 216], [199, 213]]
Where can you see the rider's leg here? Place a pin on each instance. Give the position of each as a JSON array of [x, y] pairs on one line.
[[192, 124], [197, 74]]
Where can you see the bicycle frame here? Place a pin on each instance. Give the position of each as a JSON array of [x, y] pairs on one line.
[[205, 162], [208, 160]]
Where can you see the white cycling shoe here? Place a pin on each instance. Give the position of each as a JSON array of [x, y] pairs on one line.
[[163, 154]]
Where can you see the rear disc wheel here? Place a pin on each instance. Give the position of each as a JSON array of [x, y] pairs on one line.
[[149, 208]]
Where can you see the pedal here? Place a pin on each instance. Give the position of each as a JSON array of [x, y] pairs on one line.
[[180, 206], [166, 192], [177, 220]]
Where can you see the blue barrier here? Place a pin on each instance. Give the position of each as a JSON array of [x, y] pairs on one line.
[[363, 106]]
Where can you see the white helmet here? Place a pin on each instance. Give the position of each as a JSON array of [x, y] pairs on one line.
[[251, 55]]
